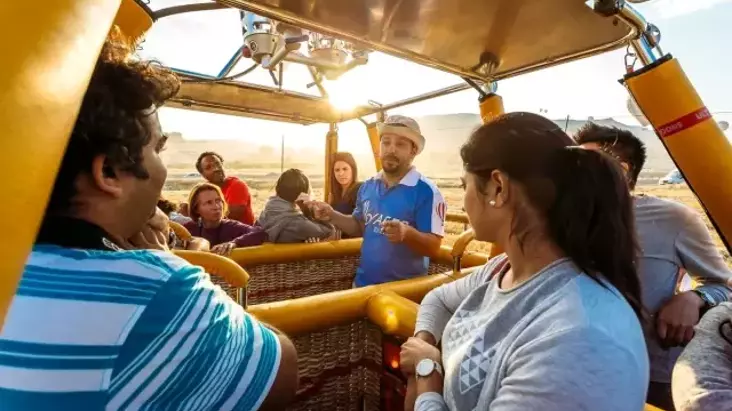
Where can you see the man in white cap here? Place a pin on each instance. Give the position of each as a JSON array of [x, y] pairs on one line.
[[399, 212]]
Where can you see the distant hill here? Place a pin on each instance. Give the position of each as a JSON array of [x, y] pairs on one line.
[[445, 134], [182, 154], [440, 159]]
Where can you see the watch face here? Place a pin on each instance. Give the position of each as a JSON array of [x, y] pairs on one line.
[[425, 368]]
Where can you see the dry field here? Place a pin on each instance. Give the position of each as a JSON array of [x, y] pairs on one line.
[[454, 200]]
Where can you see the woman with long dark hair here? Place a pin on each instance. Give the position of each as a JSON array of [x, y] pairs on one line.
[[553, 324], [344, 183]]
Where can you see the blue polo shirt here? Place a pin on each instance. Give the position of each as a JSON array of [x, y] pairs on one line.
[[415, 201]]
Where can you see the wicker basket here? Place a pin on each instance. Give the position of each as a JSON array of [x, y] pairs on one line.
[[284, 281], [340, 369], [438, 268]]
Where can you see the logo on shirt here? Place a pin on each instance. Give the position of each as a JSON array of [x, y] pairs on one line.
[[376, 219], [475, 365]]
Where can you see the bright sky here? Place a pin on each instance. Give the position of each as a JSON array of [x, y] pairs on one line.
[[697, 32]]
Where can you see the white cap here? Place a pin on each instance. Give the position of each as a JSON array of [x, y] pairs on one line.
[[405, 127]]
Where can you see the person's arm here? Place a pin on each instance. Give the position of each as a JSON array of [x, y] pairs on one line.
[[426, 244], [423, 393], [192, 244], [352, 225], [426, 238], [249, 235], [194, 347], [701, 377], [439, 305], [430, 401], [436, 309], [574, 369], [198, 244], [700, 256]]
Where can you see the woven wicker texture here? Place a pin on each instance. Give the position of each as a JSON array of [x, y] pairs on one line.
[[438, 268], [284, 281], [277, 282], [340, 369]]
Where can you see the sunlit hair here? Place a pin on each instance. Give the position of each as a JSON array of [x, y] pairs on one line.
[[122, 93], [193, 199], [620, 144]]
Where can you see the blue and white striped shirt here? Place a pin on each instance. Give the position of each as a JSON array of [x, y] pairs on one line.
[[129, 330]]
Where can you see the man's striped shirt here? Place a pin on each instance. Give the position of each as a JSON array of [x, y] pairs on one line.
[[129, 330]]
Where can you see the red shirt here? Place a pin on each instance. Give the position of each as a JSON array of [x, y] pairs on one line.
[[236, 193]]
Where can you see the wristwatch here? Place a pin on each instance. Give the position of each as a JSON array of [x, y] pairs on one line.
[[426, 367], [708, 301]]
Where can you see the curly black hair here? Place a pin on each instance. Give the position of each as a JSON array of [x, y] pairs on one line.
[[619, 143], [204, 155], [122, 93], [167, 206]]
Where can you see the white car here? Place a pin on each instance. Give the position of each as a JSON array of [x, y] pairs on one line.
[[673, 177]]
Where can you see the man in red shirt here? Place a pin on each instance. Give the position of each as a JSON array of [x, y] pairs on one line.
[[236, 193]]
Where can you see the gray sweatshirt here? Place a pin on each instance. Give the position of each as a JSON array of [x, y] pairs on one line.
[[285, 223], [673, 236], [556, 342], [702, 378]]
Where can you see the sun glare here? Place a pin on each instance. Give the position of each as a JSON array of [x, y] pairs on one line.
[[347, 93]]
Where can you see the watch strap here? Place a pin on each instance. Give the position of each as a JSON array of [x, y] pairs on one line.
[[708, 302]]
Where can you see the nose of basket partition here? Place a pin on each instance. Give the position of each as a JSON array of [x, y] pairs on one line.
[[226, 273]]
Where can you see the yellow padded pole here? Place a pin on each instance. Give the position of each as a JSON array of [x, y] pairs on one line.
[[133, 20], [331, 147], [691, 136], [491, 106], [375, 141], [394, 314], [48, 59]]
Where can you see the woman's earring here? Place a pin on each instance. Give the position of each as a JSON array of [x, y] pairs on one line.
[[492, 203]]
